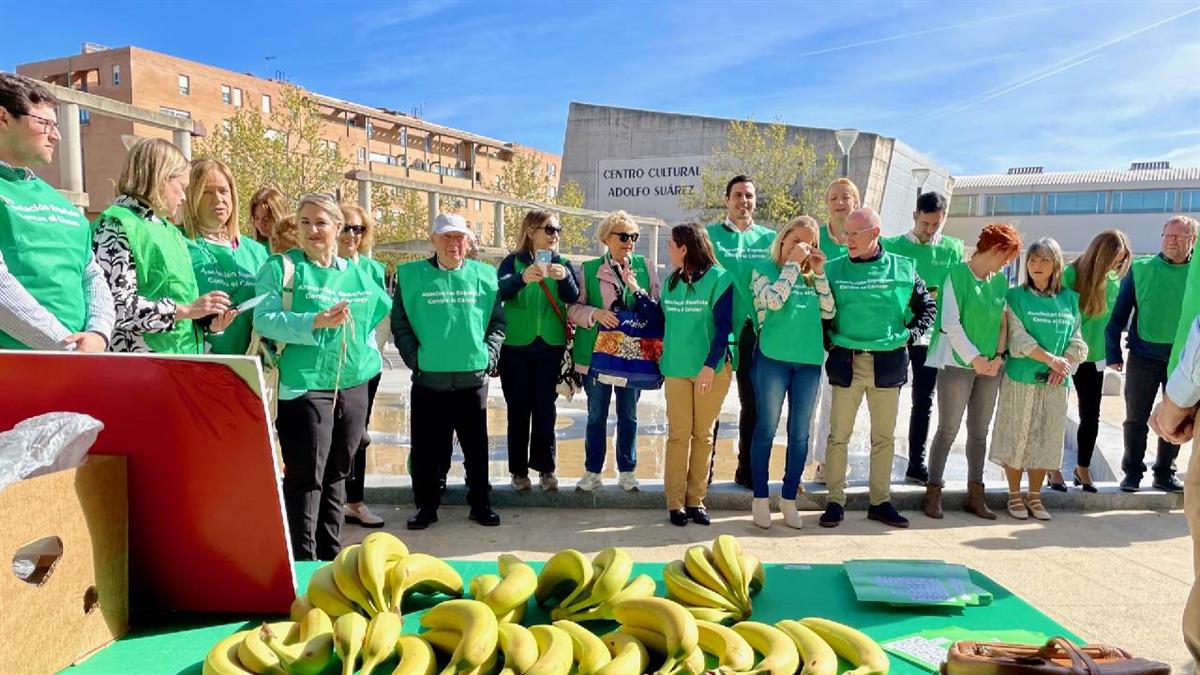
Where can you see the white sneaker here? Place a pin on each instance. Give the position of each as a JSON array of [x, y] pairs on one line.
[[791, 516], [589, 482], [360, 514], [627, 481], [521, 483], [761, 508], [549, 481]]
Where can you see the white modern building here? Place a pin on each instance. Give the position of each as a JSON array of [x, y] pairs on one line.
[[1073, 207]]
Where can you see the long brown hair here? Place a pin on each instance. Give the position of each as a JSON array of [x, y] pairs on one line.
[[1092, 268], [533, 221], [698, 252], [202, 170]]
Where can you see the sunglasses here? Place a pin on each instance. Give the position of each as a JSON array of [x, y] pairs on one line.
[[552, 230], [626, 237], [360, 230]]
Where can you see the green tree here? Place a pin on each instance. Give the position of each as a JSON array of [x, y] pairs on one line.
[[522, 178], [789, 177], [576, 229], [285, 150]]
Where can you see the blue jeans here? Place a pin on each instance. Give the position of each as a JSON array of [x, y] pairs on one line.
[[772, 381], [595, 440]]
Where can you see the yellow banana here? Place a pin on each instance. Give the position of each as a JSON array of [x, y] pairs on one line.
[[345, 575], [611, 570], [380, 642], [517, 585], [727, 558], [816, 656], [517, 615], [564, 577], [349, 631], [779, 652], [867, 657], [755, 573], [379, 551], [683, 589], [482, 584], [416, 656], [698, 561], [256, 656], [519, 647], [312, 624], [556, 651], [642, 586], [444, 640], [715, 615], [324, 593], [663, 616], [421, 573], [730, 648], [475, 621], [629, 655], [693, 665], [590, 652], [222, 659], [656, 642], [300, 607], [307, 657]]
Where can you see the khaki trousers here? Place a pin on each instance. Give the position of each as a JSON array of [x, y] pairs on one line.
[[690, 442], [1191, 507], [882, 405]]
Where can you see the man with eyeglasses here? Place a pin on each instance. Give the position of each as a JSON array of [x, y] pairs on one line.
[[740, 243], [53, 295], [882, 307], [1153, 294]]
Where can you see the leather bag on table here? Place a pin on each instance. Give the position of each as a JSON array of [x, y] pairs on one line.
[[1059, 656]]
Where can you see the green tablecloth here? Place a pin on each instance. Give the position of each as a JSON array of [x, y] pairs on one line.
[[792, 591]]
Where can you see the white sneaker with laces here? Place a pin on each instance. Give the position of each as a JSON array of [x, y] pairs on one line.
[[791, 515], [549, 481], [360, 514], [589, 482], [627, 481]]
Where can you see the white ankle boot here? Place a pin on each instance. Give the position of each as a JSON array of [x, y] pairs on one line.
[[761, 508], [791, 516]]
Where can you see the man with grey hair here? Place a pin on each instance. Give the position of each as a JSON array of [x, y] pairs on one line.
[[1153, 294], [873, 290], [448, 324], [53, 295]]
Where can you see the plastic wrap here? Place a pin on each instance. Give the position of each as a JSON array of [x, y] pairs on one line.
[[45, 443]]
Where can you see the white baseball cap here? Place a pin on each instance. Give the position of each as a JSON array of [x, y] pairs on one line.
[[447, 223]]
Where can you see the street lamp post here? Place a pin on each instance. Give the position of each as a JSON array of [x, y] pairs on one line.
[[845, 140], [920, 175]]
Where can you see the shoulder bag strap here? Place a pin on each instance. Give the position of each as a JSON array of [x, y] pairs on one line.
[[557, 311]]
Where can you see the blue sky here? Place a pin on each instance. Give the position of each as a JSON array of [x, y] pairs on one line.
[[978, 86]]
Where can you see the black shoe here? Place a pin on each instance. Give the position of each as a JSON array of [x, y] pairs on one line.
[[1130, 484], [1087, 487], [484, 515], [834, 513], [1057, 487], [742, 478], [698, 515], [423, 519], [679, 517], [1167, 484], [918, 474], [887, 514]]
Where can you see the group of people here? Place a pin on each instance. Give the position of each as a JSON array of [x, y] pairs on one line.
[[814, 317]]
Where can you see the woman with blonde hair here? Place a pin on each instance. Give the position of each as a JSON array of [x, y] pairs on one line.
[[285, 235], [1096, 277], [619, 279], [322, 318], [267, 207], [791, 297], [145, 258], [1044, 347], [222, 258], [534, 341]]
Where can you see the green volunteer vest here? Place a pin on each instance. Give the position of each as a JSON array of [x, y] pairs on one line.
[[737, 252], [828, 246], [374, 269], [1189, 310], [1092, 327], [585, 338], [234, 271], [872, 301], [792, 333], [449, 311], [933, 260], [46, 243], [164, 270], [1158, 287], [317, 366], [1050, 320], [688, 310], [980, 311], [528, 314]]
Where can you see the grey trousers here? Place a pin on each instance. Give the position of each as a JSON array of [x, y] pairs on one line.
[[962, 390]]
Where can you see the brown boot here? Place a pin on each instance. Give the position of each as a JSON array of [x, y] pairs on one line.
[[976, 503], [931, 503]]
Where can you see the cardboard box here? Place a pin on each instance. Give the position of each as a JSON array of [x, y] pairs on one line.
[[78, 602]]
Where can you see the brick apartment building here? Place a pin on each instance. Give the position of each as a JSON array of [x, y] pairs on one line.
[[376, 139]]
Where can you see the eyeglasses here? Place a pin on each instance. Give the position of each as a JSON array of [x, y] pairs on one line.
[[551, 230], [47, 124], [359, 230], [626, 237], [1178, 237]]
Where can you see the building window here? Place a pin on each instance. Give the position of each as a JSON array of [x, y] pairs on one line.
[[266, 104], [964, 205], [551, 192], [551, 169], [1013, 205], [85, 116], [226, 94], [1143, 201], [237, 97], [185, 85], [1064, 203], [478, 205], [370, 130], [175, 112], [272, 134], [1189, 201], [362, 155], [116, 75], [384, 159], [329, 146], [228, 125]]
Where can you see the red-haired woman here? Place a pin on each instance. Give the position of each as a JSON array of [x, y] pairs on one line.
[[968, 347]]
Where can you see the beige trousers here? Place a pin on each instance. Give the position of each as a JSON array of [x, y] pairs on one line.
[[1191, 508], [882, 405], [690, 442]]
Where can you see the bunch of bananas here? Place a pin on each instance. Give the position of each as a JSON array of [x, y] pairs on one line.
[[820, 642], [507, 593], [582, 590], [715, 585], [667, 629]]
